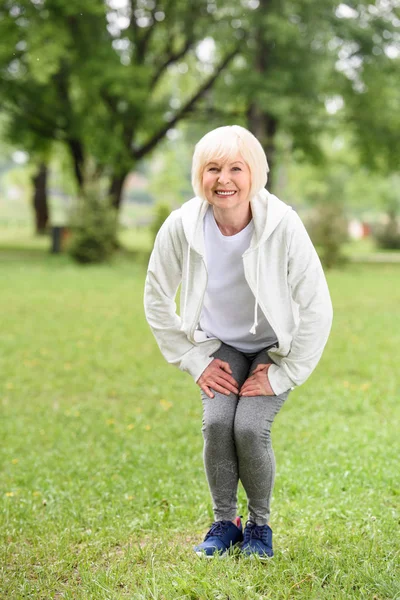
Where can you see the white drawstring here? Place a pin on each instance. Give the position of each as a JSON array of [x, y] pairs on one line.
[[253, 329]]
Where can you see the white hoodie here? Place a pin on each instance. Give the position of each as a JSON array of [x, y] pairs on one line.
[[282, 269]]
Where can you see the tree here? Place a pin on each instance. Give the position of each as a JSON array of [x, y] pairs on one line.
[[300, 56], [371, 94], [93, 77]]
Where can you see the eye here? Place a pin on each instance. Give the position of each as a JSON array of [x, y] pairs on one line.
[[212, 169], [236, 169]]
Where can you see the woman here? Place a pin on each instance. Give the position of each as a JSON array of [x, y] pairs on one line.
[[255, 317]]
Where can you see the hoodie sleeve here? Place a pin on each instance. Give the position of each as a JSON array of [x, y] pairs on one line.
[[310, 292], [164, 276]]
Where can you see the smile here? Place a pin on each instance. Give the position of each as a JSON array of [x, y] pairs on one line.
[[220, 193]]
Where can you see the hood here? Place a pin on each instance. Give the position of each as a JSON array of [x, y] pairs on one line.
[[268, 211]]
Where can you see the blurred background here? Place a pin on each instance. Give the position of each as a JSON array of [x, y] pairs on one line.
[[101, 104]]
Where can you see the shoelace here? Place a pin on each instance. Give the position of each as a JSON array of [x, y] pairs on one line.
[[218, 528], [256, 532]]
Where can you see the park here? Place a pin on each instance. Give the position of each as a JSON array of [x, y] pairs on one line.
[[102, 485]]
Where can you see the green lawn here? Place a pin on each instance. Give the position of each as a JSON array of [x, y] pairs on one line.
[[103, 492]]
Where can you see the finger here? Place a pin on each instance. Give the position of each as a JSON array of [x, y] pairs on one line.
[[261, 367], [227, 380], [257, 391], [251, 389], [245, 384], [225, 384], [222, 374], [224, 365], [221, 386], [250, 381], [221, 389], [244, 389], [219, 374], [207, 390]]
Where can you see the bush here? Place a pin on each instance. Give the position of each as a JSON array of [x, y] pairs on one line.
[[162, 210], [94, 229], [328, 230], [388, 236]]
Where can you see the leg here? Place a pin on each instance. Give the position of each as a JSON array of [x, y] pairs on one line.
[[220, 458], [252, 429]]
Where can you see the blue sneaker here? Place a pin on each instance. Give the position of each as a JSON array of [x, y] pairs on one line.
[[257, 541], [222, 536]]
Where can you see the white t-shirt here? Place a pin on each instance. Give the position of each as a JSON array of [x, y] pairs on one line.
[[228, 308]]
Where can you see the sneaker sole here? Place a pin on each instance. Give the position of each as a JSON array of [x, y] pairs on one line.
[[216, 555], [232, 551]]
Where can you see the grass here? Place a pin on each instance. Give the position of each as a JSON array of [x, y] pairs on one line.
[[103, 491]]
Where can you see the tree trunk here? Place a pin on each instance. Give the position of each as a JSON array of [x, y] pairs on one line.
[[264, 127], [40, 199], [261, 123], [76, 149], [115, 190]]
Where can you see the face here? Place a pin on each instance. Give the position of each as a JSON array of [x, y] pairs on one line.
[[227, 184]]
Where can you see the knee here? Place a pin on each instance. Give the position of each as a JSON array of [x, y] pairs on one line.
[[250, 436], [216, 426]]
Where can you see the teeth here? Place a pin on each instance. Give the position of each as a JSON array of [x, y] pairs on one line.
[[224, 193]]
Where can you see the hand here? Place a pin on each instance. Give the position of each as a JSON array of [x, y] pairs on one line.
[[218, 375], [258, 383]]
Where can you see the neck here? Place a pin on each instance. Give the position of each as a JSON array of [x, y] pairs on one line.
[[232, 221]]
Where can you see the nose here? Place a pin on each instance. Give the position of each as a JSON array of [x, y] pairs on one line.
[[224, 176]]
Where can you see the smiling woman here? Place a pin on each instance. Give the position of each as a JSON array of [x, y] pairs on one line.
[[256, 315]]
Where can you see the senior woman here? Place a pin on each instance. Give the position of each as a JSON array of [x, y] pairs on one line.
[[255, 317]]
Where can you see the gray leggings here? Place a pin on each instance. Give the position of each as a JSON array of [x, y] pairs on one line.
[[237, 442]]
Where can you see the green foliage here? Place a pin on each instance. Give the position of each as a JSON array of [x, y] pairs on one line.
[[327, 227], [94, 228], [372, 106], [162, 210]]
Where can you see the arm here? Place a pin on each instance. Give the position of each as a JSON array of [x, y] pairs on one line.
[[310, 291], [164, 276]]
